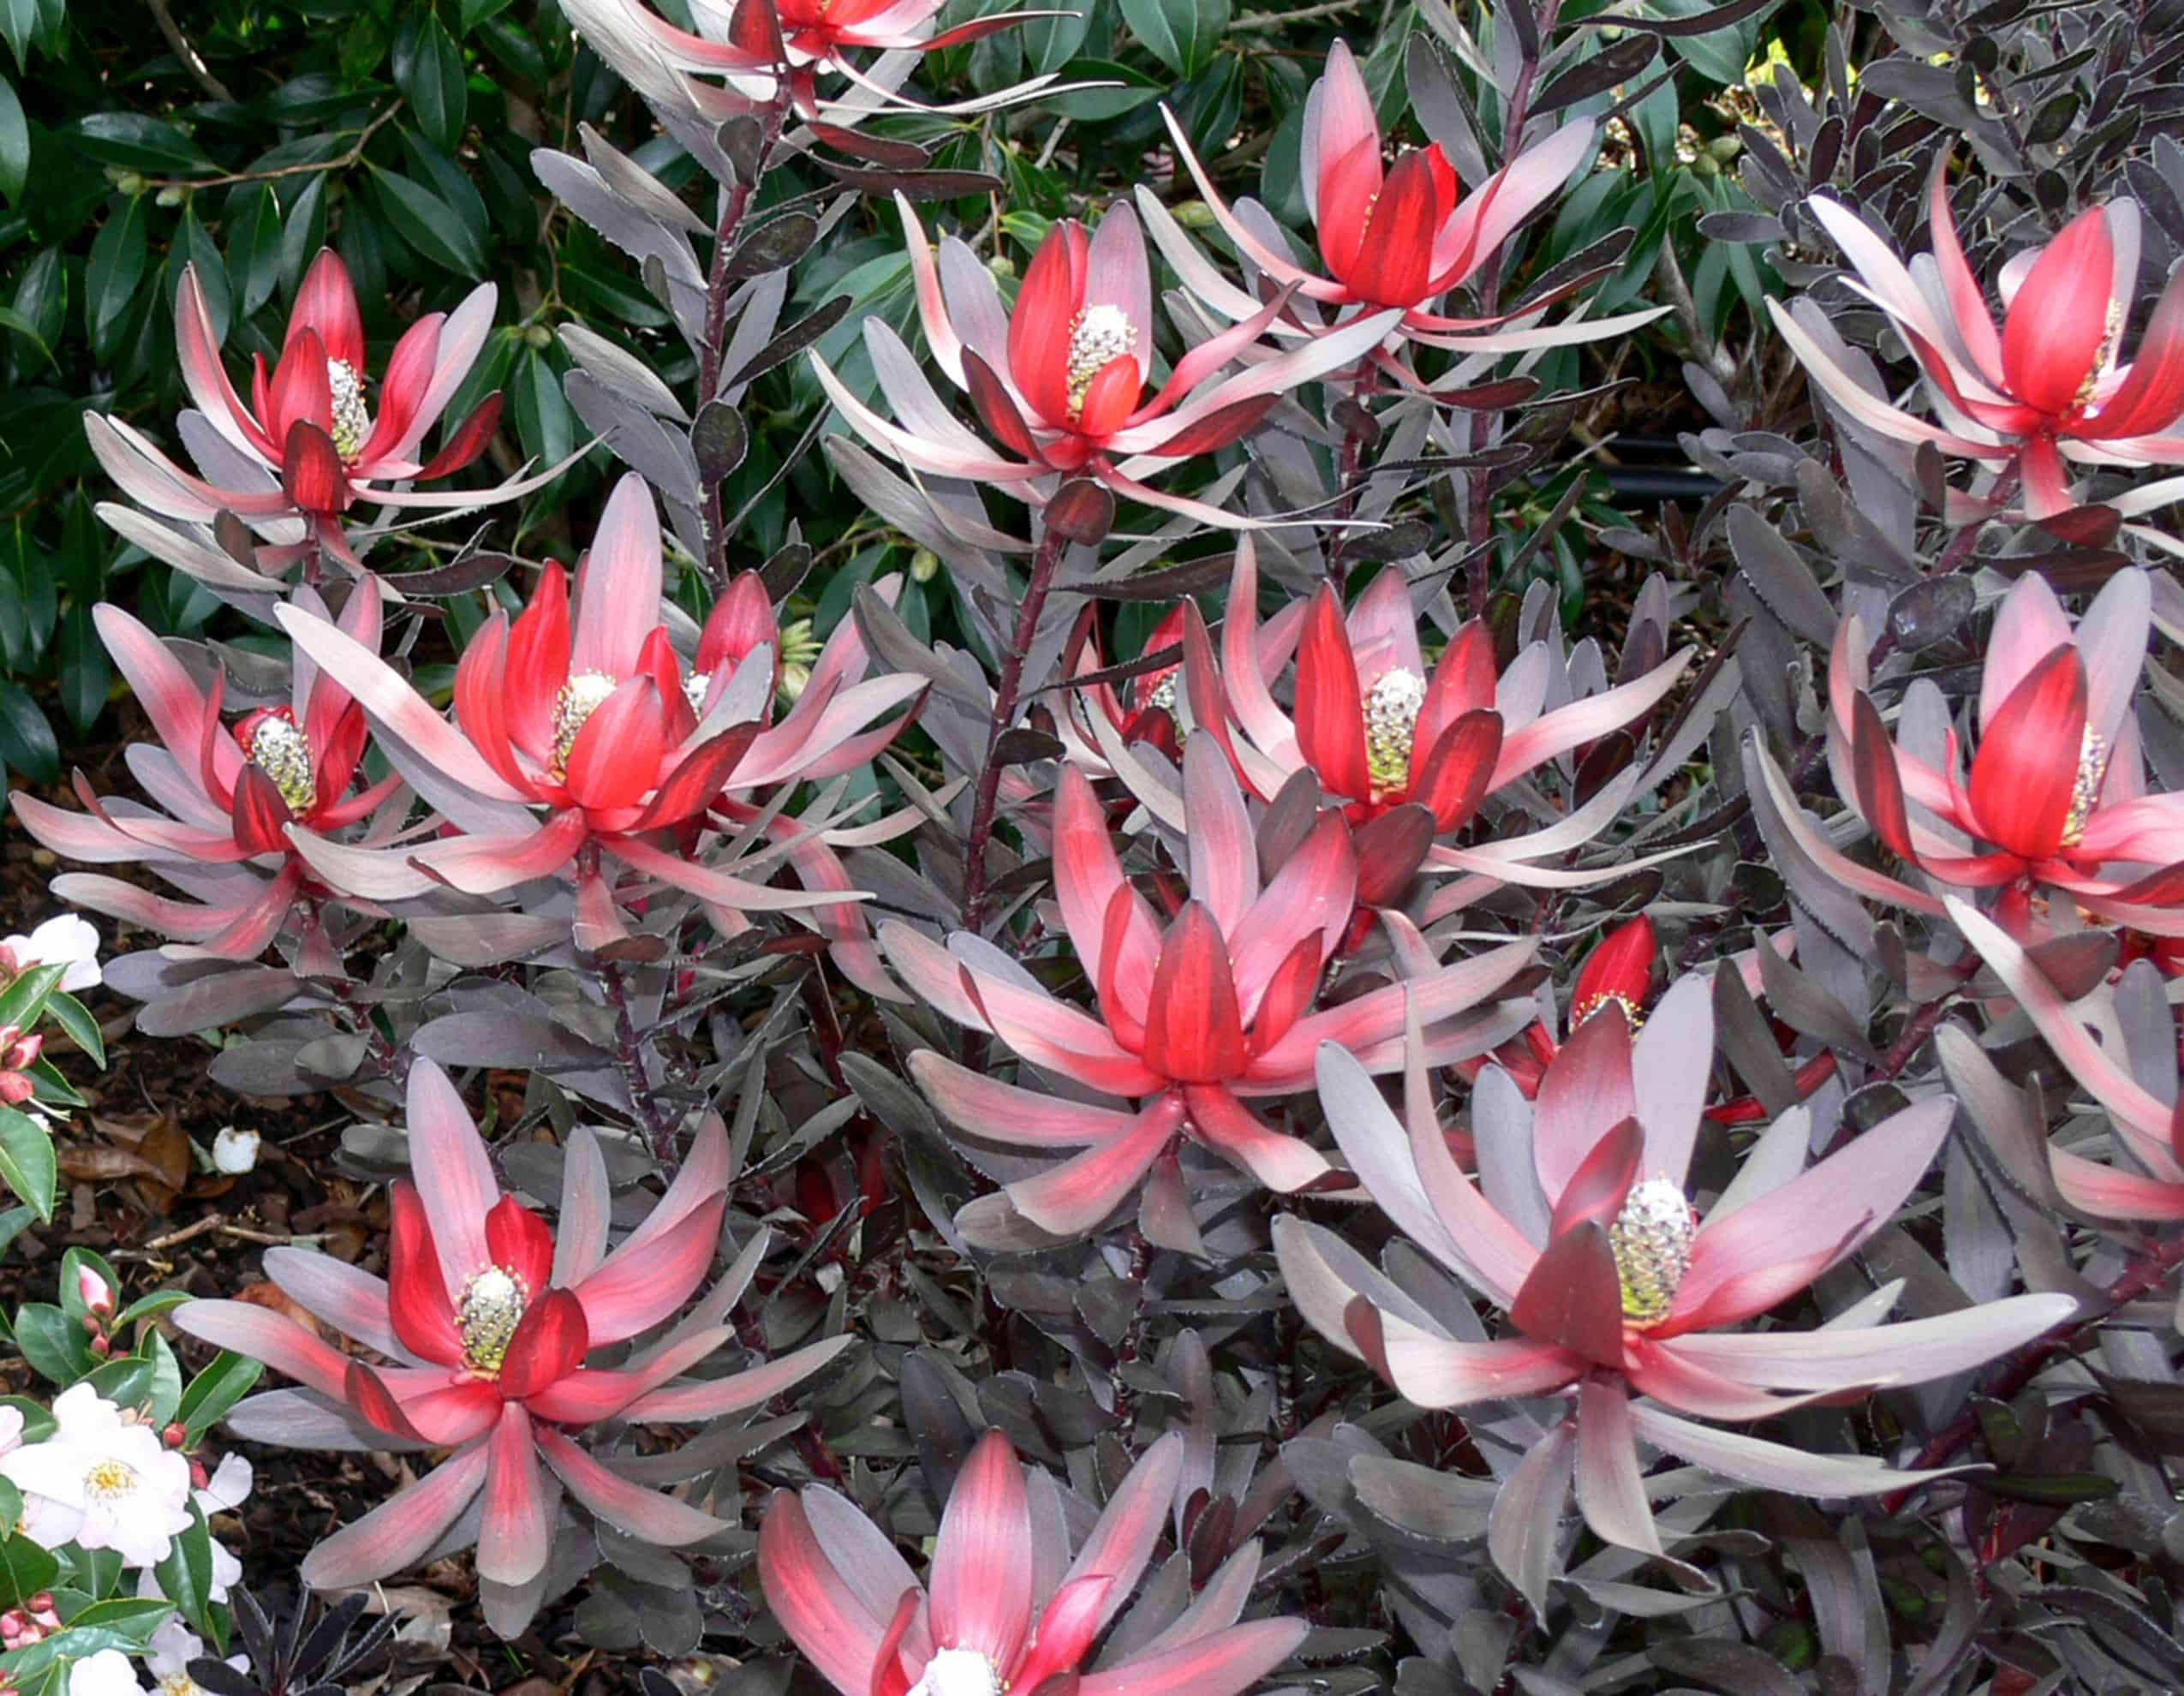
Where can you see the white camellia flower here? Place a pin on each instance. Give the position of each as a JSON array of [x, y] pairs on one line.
[[102, 1481], [108, 1673], [70, 940], [235, 1151], [168, 1656], [228, 1487]]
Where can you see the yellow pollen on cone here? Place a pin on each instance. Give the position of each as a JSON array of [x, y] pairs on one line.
[[492, 1306], [2085, 789], [352, 423], [1391, 725], [583, 695], [1651, 1239], [1099, 334], [279, 749]]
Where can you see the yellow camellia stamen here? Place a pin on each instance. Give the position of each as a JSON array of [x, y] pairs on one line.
[[352, 423], [1391, 723], [492, 1306], [110, 1479], [277, 747], [1652, 1239], [1101, 333], [583, 695]]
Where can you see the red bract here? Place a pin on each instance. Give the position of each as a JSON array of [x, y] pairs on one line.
[[1615, 1286], [483, 1327], [1380, 731], [1145, 707], [230, 797], [2056, 794], [794, 39], [1195, 1016], [308, 443], [2046, 385], [1004, 1608], [588, 714], [1060, 380], [1395, 235]]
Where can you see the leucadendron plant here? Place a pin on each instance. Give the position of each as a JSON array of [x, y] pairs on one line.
[[1260, 861]]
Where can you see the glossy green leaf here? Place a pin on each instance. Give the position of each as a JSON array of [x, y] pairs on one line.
[[19, 21], [115, 269], [186, 1575], [15, 143], [51, 1342], [27, 1160], [425, 221], [428, 69], [1181, 34], [215, 1390], [83, 669], [75, 1019], [1134, 89], [138, 141], [26, 1569]]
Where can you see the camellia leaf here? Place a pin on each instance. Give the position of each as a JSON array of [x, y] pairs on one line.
[[15, 143], [428, 224], [115, 270], [27, 1160], [430, 72], [1180, 33]]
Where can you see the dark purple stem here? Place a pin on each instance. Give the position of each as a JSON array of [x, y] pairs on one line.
[[713, 347], [1044, 565]]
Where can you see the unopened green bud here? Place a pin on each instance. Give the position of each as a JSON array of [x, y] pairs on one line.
[[170, 197], [925, 564], [1725, 147]]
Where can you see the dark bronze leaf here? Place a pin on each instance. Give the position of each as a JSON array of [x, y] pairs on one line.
[[719, 439]]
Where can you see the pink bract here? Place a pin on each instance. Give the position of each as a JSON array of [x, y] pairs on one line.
[[481, 1332], [1005, 1606]]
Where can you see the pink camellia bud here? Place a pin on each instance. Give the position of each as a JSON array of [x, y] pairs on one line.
[[101, 1346], [175, 1435], [41, 1604], [197, 1476], [16, 1088], [25, 1051], [97, 1294]]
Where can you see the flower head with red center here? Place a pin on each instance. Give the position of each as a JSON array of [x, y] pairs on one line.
[[230, 795], [768, 47], [1615, 1286], [308, 442], [2044, 387], [585, 714], [1392, 237], [1383, 733], [483, 1328], [1060, 380], [1005, 1606], [1196, 1015], [2056, 794]]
